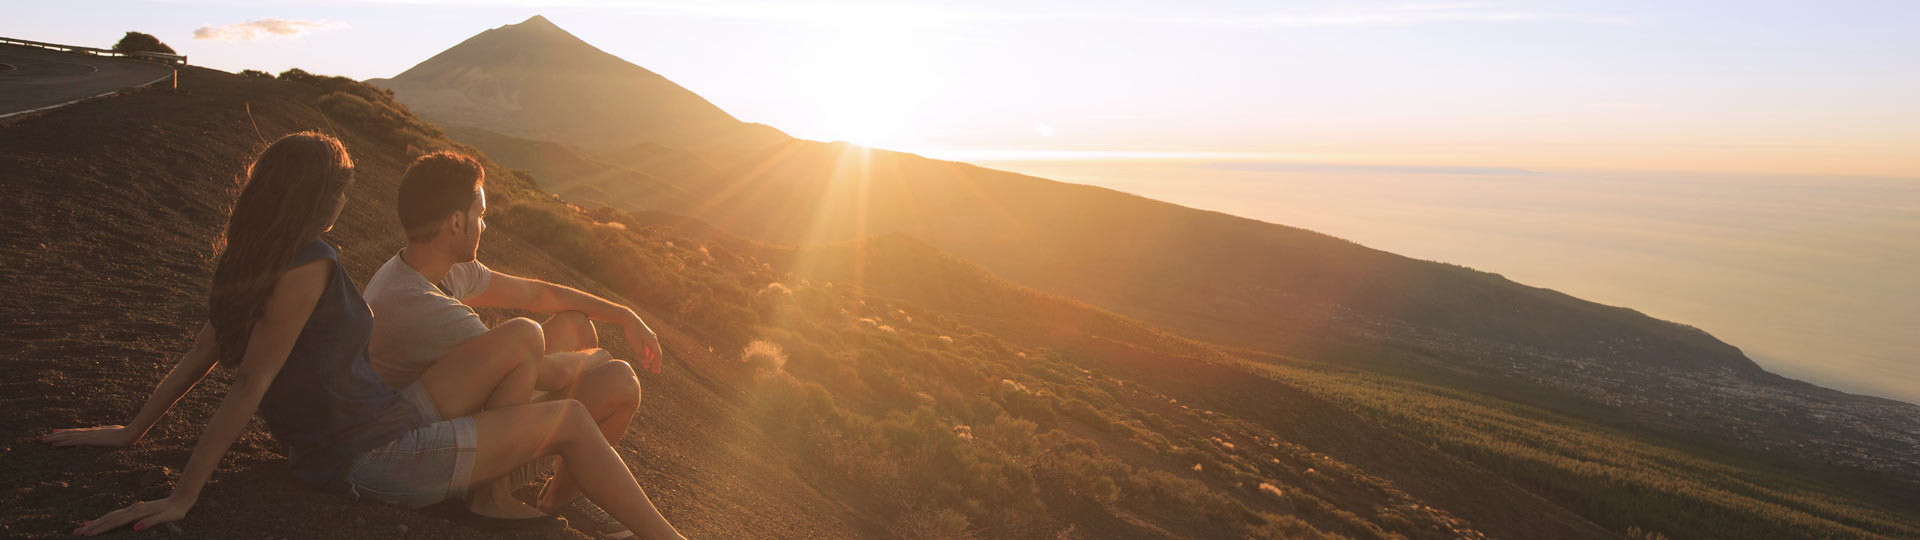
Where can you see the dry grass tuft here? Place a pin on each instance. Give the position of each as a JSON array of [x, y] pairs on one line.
[[764, 355]]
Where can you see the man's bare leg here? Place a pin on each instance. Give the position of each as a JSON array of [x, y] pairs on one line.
[[569, 331], [495, 370], [611, 393], [609, 389], [513, 436], [571, 348]]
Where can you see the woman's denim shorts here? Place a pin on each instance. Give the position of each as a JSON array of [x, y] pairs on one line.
[[430, 464]]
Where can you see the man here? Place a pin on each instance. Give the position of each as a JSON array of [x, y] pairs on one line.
[[423, 300]]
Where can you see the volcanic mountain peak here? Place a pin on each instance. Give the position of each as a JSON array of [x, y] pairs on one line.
[[535, 45], [536, 80]]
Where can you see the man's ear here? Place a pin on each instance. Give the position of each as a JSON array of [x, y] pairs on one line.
[[456, 223]]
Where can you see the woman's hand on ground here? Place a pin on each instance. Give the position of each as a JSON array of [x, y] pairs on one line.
[[108, 436], [143, 515]]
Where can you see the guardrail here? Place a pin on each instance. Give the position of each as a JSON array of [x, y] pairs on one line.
[[175, 59]]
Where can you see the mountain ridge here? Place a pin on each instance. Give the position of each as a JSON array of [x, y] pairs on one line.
[[479, 83]]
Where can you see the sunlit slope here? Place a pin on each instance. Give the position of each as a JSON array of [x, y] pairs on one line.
[[1617, 478], [1202, 274], [579, 177]]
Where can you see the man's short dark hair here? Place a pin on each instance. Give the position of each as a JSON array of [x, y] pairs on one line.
[[435, 186]]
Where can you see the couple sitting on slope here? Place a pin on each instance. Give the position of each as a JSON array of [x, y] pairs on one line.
[[404, 397]]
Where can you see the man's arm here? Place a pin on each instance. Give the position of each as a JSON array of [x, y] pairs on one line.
[[514, 292], [195, 366]]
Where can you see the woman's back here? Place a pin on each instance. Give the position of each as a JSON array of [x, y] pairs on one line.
[[327, 406]]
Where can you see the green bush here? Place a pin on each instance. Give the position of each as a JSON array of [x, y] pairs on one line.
[[141, 42]]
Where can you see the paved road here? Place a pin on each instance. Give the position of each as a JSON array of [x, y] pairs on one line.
[[40, 77]]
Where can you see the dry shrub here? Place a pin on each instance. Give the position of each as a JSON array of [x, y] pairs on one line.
[[764, 355], [775, 289], [1270, 489], [934, 525]]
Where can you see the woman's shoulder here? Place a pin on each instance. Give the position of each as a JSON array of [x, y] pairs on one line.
[[316, 250]]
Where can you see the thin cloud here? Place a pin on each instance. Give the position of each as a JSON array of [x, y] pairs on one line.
[[262, 28]]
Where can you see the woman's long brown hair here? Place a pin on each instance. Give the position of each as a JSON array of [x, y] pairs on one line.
[[288, 194]]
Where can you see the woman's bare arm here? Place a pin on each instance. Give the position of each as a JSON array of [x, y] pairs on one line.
[[287, 310], [195, 366]]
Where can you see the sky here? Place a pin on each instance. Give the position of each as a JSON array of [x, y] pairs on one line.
[[1769, 87]]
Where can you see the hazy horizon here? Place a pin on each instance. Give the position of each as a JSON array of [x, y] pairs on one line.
[[1808, 275]]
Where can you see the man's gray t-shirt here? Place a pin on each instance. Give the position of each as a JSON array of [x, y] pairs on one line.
[[415, 322]]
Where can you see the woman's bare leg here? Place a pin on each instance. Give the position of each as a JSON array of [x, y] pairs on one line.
[[514, 436]]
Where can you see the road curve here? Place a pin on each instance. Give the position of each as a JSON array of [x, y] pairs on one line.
[[40, 78]]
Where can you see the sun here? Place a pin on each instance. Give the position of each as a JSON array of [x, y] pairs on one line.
[[881, 68]]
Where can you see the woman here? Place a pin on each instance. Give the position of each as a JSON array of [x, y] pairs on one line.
[[286, 318]]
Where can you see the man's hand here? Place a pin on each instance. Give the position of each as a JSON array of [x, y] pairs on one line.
[[644, 342], [143, 515], [108, 436]]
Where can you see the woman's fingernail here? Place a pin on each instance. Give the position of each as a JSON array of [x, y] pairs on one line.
[[138, 527]]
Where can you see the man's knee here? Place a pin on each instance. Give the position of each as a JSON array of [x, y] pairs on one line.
[[621, 385], [576, 420], [524, 333], [572, 330]]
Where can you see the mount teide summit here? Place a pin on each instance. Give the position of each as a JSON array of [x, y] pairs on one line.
[[538, 81]]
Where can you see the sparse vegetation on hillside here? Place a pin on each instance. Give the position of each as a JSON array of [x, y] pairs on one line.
[[1612, 477], [371, 109], [906, 410]]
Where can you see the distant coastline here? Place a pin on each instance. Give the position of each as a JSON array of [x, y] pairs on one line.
[[1806, 274]]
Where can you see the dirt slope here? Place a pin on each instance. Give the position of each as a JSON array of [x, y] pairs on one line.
[[110, 209]]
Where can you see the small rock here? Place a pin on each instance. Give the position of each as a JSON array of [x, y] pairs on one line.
[[403, 529], [156, 476], [174, 529]]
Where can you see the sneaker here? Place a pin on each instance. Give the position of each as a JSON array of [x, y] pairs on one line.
[[531, 471], [586, 517]]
